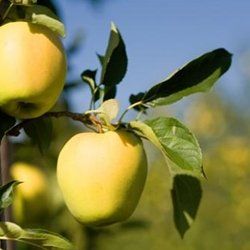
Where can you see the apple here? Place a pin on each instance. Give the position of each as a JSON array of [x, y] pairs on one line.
[[32, 69], [102, 176], [31, 197]]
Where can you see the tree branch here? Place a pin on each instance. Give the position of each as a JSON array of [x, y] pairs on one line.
[[87, 119]]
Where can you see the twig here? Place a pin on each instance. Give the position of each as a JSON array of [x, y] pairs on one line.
[[87, 119]]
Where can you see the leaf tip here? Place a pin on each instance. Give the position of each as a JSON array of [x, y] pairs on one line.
[[114, 27]]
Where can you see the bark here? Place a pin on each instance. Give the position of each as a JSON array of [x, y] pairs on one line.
[[5, 178]]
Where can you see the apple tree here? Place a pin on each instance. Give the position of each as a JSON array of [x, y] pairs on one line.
[[117, 178]]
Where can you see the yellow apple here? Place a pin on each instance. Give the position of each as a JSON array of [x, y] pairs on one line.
[[102, 176], [32, 69], [31, 197]]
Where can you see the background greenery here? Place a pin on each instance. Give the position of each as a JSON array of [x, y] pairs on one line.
[[223, 130]]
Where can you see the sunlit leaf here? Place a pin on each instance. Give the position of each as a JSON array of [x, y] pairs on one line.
[[144, 130], [109, 109], [175, 140], [42, 15], [38, 238]]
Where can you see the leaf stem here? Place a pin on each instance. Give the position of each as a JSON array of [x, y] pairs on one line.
[[139, 115], [92, 101], [129, 108]]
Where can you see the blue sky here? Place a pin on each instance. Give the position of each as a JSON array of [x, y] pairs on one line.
[[160, 35]]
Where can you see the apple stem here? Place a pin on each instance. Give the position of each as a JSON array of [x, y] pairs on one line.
[[97, 123]]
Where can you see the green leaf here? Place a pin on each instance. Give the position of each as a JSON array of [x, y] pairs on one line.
[[6, 194], [186, 196], [40, 132], [4, 9], [38, 238], [109, 110], [100, 58], [42, 15], [143, 130], [6, 122], [176, 142], [197, 76], [137, 98], [89, 77], [109, 92], [115, 61]]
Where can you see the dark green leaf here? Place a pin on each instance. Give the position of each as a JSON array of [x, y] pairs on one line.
[[6, 122], [115, 61], [110, 92], [40, 132], [186, 196], [101, 59], [50, 4], [4, 8], [89, 77], [6, 194], [42, 15], [197, 76], [175, 141], [137, 98], [38, 238]]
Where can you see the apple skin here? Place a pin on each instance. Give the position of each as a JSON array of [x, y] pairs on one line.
[[102, 176], [32, 69], [31, 199]]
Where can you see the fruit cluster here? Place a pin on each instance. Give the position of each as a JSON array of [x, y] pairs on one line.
[[101, 175]]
